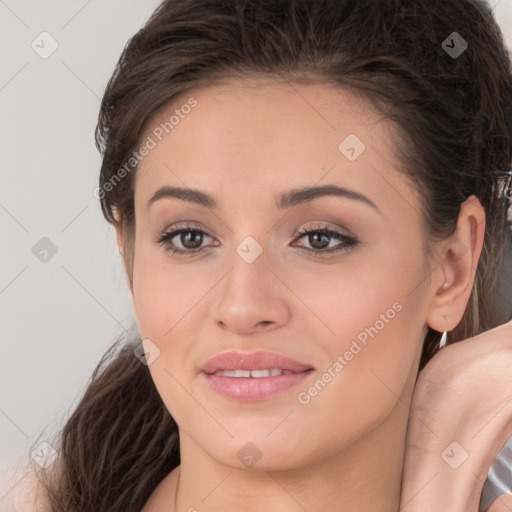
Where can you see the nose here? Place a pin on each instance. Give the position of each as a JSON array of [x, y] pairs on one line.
[[252, 298]]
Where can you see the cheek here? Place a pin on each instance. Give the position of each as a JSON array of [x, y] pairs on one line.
[[165, 294], [370, 370], [365, 299], [370, 325]]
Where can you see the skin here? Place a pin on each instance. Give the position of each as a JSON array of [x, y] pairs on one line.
[[463, 395], [345, 447]]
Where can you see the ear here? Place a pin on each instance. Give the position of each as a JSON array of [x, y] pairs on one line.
[[458, 258]]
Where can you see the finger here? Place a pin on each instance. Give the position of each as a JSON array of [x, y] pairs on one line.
[[502, 504]]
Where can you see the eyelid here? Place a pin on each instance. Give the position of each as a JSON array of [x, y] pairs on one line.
[[344, 237], [175, 230], [327, 226]]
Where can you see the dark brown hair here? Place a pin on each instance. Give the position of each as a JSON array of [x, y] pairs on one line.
[[453, 114]]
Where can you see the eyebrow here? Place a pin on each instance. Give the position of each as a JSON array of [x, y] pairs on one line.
[[288, 199]]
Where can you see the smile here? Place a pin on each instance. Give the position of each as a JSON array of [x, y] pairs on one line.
[[253, 376]]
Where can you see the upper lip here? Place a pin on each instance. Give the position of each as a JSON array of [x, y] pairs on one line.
[[261, 360]]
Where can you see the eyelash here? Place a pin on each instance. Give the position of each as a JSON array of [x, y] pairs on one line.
[[350, 241]]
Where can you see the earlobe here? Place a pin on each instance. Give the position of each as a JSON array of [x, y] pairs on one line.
[[457, 258]]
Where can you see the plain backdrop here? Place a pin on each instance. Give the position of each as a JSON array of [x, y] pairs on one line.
[[63, 293]]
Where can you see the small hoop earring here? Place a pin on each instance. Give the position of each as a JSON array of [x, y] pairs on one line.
[[444, 338]]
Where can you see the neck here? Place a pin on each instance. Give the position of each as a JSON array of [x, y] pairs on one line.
[[364, 476]]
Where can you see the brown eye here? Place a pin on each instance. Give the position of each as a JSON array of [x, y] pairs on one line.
[[190, 239], [319, 239]]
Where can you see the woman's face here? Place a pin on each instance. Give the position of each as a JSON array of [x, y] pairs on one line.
[[351, 320]]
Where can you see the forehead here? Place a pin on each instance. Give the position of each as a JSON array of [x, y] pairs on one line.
[[261, 107], [261, 135]]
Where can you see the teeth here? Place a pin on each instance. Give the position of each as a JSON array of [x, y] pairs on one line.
[[242, 373], [273, 372], [260, 373]]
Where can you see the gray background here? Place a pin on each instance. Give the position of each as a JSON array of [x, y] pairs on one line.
[[60, 315]]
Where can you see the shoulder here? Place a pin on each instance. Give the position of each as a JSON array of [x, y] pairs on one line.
[[27, 493]]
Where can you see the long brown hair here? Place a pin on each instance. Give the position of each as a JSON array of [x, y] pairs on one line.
[[453, 113]]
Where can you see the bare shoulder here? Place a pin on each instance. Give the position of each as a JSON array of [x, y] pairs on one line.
[[27, 493]]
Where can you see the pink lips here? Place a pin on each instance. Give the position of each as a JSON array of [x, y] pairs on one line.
[[282, 373]]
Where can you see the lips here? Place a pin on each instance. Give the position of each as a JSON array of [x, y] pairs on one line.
[[254, 361], [253, 376]]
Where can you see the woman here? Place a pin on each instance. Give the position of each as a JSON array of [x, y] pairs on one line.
[[306, 195]]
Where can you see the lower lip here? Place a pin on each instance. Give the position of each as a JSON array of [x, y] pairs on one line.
[[250, 388]]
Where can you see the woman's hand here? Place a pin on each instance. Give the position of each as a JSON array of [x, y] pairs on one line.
[[461, 415]]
